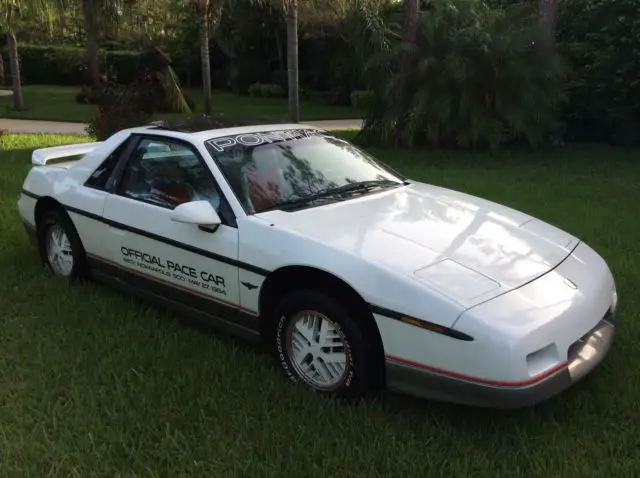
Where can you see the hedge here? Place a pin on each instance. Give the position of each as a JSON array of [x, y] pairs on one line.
[[362, 99], [601, 40], [266, 90], [64, 65]]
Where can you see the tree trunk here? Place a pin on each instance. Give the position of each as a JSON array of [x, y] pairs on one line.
[[281, 61], [14, 62], [410, 24], [189, 71], [291, 13], [206, 64], [63, 24], [409, 37], [91, 41], [547, 15], [1, 70]]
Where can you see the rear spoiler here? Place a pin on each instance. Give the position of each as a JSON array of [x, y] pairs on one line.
[[40, 157]]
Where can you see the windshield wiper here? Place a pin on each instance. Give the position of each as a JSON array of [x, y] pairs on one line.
[[296, 202], [361, 186], [329, 194]]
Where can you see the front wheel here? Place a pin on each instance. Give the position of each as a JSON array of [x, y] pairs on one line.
[[320, 343]]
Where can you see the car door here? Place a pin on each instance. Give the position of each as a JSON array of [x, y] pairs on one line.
[[86, 202], [182, 263]]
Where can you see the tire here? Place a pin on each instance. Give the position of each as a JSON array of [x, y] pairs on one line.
[[355, 370], [66, 257]]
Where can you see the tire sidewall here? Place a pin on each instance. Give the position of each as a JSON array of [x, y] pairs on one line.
[[355, 381], [50, 219]]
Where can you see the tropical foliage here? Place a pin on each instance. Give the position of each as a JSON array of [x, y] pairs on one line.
[[467, 73], [155, 88], [478, 79], [601, 40], [67, 65], [12, 13]]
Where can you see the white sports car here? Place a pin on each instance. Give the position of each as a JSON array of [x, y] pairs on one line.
[[357, 277]]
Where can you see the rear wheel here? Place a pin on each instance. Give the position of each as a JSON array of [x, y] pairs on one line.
[[321, 343], [60, 246]]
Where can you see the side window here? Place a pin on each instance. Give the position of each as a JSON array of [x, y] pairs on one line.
[[101, 175], [168, 173]]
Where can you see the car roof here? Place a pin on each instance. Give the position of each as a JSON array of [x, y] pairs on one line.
[[201, 135]]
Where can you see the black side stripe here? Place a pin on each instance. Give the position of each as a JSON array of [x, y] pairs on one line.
[[423, 324], [156, 237], [30, 194]]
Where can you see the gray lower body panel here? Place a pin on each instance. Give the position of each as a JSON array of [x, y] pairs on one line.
[[584, 356]]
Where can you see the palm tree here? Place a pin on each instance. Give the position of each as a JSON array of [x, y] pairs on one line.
[[11, 12], [208, 13], [547, 15], [409, 39], [1, 70], [99, 14], [89, 10], [290, 10], [202, 10], [410, 21]]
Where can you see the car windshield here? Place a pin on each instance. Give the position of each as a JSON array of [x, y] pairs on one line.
[[293, 169]]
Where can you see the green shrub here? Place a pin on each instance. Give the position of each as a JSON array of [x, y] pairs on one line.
[[161, 80], [272, 91], [107, 122], [122, 65], [266, 90], [64, 65], [601, 41], [255, 90], [120, 107], [362, 99], [213, 121], [479, 79]]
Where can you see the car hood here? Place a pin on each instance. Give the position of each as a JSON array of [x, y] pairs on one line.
[[467, 248]]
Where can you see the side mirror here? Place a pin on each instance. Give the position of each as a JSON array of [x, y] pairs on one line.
[[199, 213]]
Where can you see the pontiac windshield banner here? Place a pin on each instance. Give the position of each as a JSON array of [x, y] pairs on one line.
[[181, 272], [266, 137]]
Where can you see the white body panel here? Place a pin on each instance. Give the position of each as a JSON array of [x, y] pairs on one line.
[[462, 247], [40, 157], [183, 269], [437, 255], [374, 282], [545, 316]]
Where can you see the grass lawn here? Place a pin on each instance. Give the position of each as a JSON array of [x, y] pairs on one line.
[[58, 103], [95, 383]]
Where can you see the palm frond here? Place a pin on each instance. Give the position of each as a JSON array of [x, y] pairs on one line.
[[478, 80]]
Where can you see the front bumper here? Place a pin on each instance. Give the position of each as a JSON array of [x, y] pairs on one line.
[[584, 355]]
